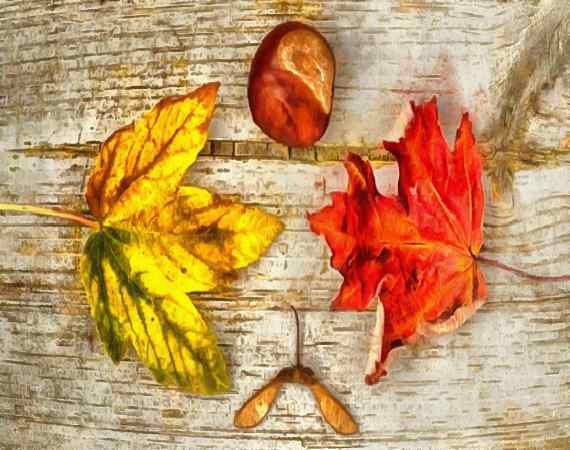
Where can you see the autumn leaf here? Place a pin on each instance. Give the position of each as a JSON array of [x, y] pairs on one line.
[[416, 252], [157, 241]]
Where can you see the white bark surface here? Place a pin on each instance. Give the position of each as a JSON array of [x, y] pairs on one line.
[[71, 71], [74, 70], [501, 381]]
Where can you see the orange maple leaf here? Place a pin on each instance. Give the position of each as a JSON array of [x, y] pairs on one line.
[[415, 251]]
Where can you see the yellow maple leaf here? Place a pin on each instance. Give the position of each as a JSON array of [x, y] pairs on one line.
[[157, 241]]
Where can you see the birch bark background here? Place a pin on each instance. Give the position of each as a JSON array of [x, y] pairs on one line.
[[71, 71]]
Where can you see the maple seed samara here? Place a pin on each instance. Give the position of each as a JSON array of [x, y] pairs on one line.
[[290, 87]]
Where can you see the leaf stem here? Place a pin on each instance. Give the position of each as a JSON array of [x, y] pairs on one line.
[[298, 336], [78, 218], [522, 273]]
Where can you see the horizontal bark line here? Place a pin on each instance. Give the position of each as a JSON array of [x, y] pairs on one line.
[[267, 150], [240, 150]]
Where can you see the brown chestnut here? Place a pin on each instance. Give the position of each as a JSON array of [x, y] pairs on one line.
[[290, 87]]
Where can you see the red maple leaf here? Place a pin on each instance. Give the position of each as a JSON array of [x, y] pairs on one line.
[[415, 251]]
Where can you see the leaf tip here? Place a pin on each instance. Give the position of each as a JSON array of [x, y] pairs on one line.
[[466, 124], [373, 378], [210, 89], [392, 147]]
